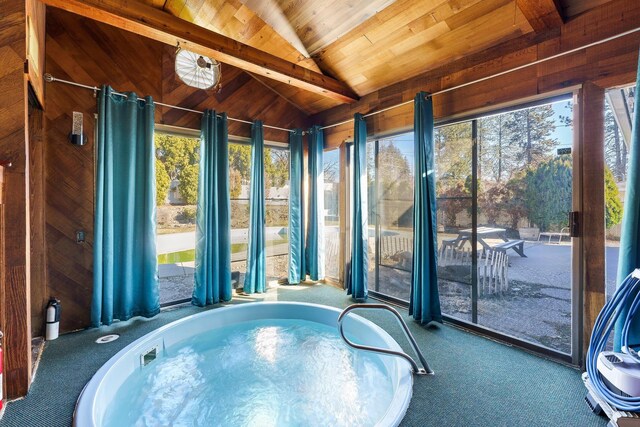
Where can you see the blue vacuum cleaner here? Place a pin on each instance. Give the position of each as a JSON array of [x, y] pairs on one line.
[[613, 378]]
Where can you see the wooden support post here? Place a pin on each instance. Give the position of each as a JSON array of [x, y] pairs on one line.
[[38, 284], [15, 315], [591, 134]]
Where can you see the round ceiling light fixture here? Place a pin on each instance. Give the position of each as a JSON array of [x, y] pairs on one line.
[[196, 70]]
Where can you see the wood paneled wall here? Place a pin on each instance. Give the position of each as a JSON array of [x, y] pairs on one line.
[[83, 51], [87, 52], [14, 308]]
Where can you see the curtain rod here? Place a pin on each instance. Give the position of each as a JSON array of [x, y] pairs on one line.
[[501, 73], [49, 79]]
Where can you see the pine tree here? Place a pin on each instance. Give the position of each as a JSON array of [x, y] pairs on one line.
[[529, 135], [615, 149], [453, 153], [491, 143], [395, 177], [453, 157]]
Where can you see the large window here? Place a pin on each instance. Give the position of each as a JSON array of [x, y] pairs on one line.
[[177, 159], [332, 213], [239, 181], [276, 165], [177, 188], [277, 212]]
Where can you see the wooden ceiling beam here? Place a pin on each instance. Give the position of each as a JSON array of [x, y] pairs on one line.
[[541, 14], [140, 18]]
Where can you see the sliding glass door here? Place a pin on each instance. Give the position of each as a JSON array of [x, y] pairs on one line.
[[524, 184], [504, 195]]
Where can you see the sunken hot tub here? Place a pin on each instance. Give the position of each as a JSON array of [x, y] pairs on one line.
[[257, 364]]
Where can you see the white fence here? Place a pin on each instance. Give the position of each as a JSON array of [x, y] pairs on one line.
[[493, 267]]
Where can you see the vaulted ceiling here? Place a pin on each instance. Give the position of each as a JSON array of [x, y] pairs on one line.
[[370, 44]]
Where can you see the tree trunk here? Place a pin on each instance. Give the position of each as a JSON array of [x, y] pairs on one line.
[[528, 147], [619, 172], [480, 155], [624, 160], [499, 147]]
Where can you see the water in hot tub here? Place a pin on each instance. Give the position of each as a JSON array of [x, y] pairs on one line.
[[260, 373]]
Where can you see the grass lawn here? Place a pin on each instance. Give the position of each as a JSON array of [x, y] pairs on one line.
[[190, 254]]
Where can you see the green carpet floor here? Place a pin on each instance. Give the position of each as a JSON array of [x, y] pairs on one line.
[[478, 382]]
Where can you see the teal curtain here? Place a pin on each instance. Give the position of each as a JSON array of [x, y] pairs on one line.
[[315, 238], [125, 264], [358, 268], [424, 303], [629, 255], [213, 218], [256, 277], [297, 270]]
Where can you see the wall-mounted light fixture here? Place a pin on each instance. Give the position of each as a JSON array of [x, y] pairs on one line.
[[77, 137]]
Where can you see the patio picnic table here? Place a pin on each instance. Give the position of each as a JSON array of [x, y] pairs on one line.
[[485, 233]]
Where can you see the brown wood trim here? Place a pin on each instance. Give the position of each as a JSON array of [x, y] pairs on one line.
[[593, 216], [577, 263], [156, 24]]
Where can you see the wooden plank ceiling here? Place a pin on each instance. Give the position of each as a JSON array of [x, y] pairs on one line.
[[371, 44]]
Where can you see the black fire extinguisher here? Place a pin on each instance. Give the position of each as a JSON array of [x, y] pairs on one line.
[[53, 319]]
